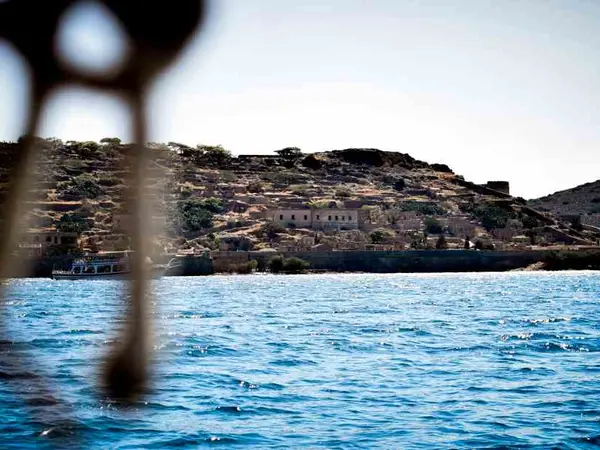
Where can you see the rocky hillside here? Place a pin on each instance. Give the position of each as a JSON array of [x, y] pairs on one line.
[[208, 199], [583, 201]]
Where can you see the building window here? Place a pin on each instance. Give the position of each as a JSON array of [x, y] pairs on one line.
[[48, 238], [280, 216], [293, 217], [305, 217], [329, 218], [343, 217], [336, 218], [318, 217]]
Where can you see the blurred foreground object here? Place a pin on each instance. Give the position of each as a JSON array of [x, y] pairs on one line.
[[156, 32]]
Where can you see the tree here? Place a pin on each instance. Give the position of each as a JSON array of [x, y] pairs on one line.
[[441, 243], [214, 154], [180, 149], [289, 152], [110, 141]]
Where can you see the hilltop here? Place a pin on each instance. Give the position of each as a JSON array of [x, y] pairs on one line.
[[212, 200], [582, 200]]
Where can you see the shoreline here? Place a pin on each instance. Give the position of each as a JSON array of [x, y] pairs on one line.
[[406, 261]]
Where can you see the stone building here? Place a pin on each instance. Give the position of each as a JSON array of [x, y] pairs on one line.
[[317, 219], [50, 237]]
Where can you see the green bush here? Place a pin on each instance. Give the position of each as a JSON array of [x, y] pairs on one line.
[[279, 264], [72, 223], [212, 204], [295, 265], [191, 215], [425, 208], [276, 264], [81, 186], [244, 268], [379, 236], [530, 222], [108, 180], [433, 226], [272, 230], [255, 187], [298, 189], [491, 216], [343, 192]]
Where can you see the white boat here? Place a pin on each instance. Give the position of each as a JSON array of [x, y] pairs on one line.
[[103, 265]]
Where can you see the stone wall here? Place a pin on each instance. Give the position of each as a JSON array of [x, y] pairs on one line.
[[413, 260]]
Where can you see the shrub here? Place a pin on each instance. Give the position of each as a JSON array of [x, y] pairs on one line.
[[108, 180], [343, 192], [279, 264], [298, 189], [276, 264], [72, 223], [530, 222], [433, 226], [255, 187], [212, 204], [399, 184], [295, 265], [491, 216], [425, 208], [245, 268], [191, 215], [82, 186], [576, 223], [379, 236], [272, 229]]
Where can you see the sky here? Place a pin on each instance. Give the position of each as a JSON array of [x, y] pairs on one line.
[[498, 90]]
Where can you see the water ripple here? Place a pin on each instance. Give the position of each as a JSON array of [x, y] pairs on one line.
[[316, 361]]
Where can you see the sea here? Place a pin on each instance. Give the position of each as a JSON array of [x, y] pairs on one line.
[[327, 361]]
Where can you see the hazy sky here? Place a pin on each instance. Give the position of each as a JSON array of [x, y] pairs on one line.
[[505, 90]]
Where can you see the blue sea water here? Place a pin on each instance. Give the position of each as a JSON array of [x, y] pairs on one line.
[[316, 361]]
